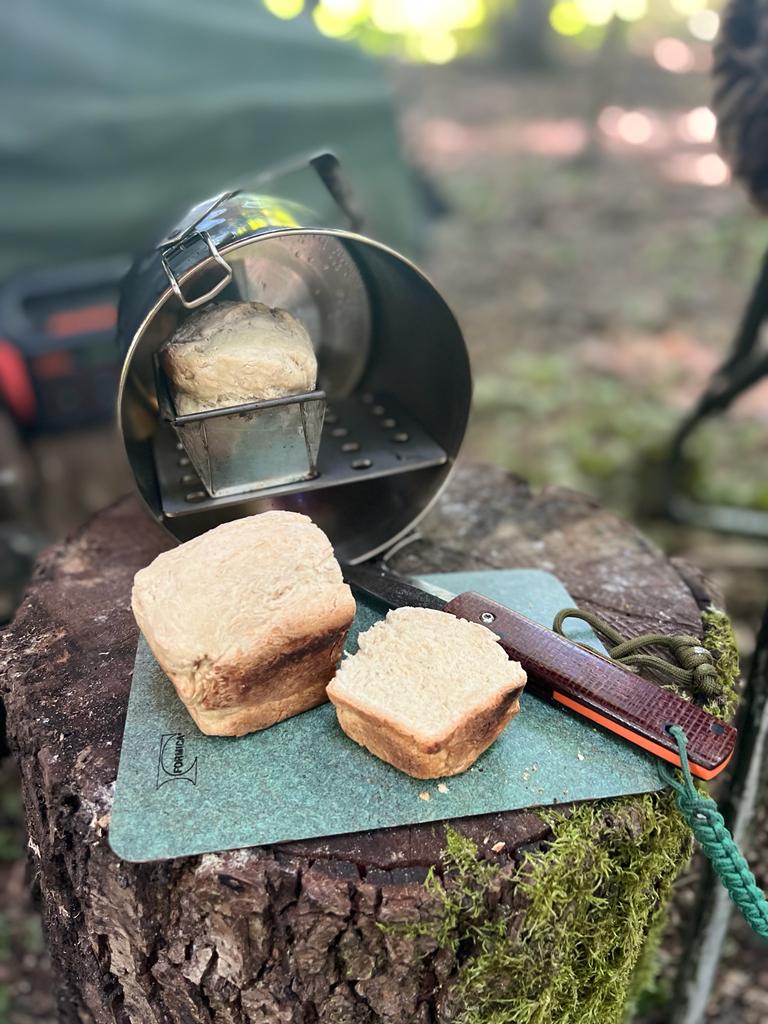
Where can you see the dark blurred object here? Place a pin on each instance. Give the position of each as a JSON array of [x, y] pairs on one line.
[[59, 364], [59, 367], [432, 197], [19, 547], [740, 98], [19, 544], [524, 36], [118, 117], [743, 367], [741, 105]]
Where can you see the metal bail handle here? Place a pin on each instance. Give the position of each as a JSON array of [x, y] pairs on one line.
[[218, 287]]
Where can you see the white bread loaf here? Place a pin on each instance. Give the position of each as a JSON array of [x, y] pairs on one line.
[[427, 692], [237, 352], [248, 621]]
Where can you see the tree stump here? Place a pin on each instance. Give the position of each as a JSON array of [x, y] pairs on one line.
[[340, 930]]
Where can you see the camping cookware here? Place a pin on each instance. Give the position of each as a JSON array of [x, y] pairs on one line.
[[367, 452]]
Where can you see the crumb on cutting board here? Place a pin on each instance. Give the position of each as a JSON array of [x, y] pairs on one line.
[[423, 795], [442, 788]]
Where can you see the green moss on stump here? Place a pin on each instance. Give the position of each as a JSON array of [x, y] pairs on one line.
[[569, 934], [558, 939], [720, 640]]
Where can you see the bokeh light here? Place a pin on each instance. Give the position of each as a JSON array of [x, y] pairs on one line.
[[330, 23], [347, 9], [567, 19], [462, 13], [285, 9], [438, 31], [707, 170], [673, 55], [439, 47], [704, 25], [640, 128], [712, 169], [408, 16], [597, 12], [687, 7], [635, 127], [698, 125], [631, 10]]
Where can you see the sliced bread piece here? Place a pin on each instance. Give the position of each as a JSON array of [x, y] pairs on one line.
[[426, 692], [248, 621]]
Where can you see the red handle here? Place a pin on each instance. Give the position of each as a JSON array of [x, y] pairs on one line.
[[598, 689]]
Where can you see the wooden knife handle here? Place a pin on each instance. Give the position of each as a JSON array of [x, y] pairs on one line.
[[602, 691]]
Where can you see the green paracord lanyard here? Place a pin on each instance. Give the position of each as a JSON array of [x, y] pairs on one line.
[[701, 813], [696, 670]]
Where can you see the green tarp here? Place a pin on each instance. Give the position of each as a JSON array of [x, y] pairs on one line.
[[119, 115]]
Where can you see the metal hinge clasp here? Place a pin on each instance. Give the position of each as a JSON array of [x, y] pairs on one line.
[[200, 300]]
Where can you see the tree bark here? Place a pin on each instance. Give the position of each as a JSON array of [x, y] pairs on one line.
[[286, 934]]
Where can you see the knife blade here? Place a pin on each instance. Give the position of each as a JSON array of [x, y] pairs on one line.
[[561, 671]]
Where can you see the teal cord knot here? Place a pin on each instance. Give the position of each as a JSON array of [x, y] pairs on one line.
[[710, 830]]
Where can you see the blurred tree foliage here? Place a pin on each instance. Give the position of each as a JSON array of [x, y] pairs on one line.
[[524, 32]]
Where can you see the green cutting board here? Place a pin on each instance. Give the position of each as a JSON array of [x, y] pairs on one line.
[[180, 793]]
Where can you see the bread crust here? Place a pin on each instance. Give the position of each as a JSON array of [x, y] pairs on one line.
[[248, 621], [425, 757], [270, 695], [237, 352]]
